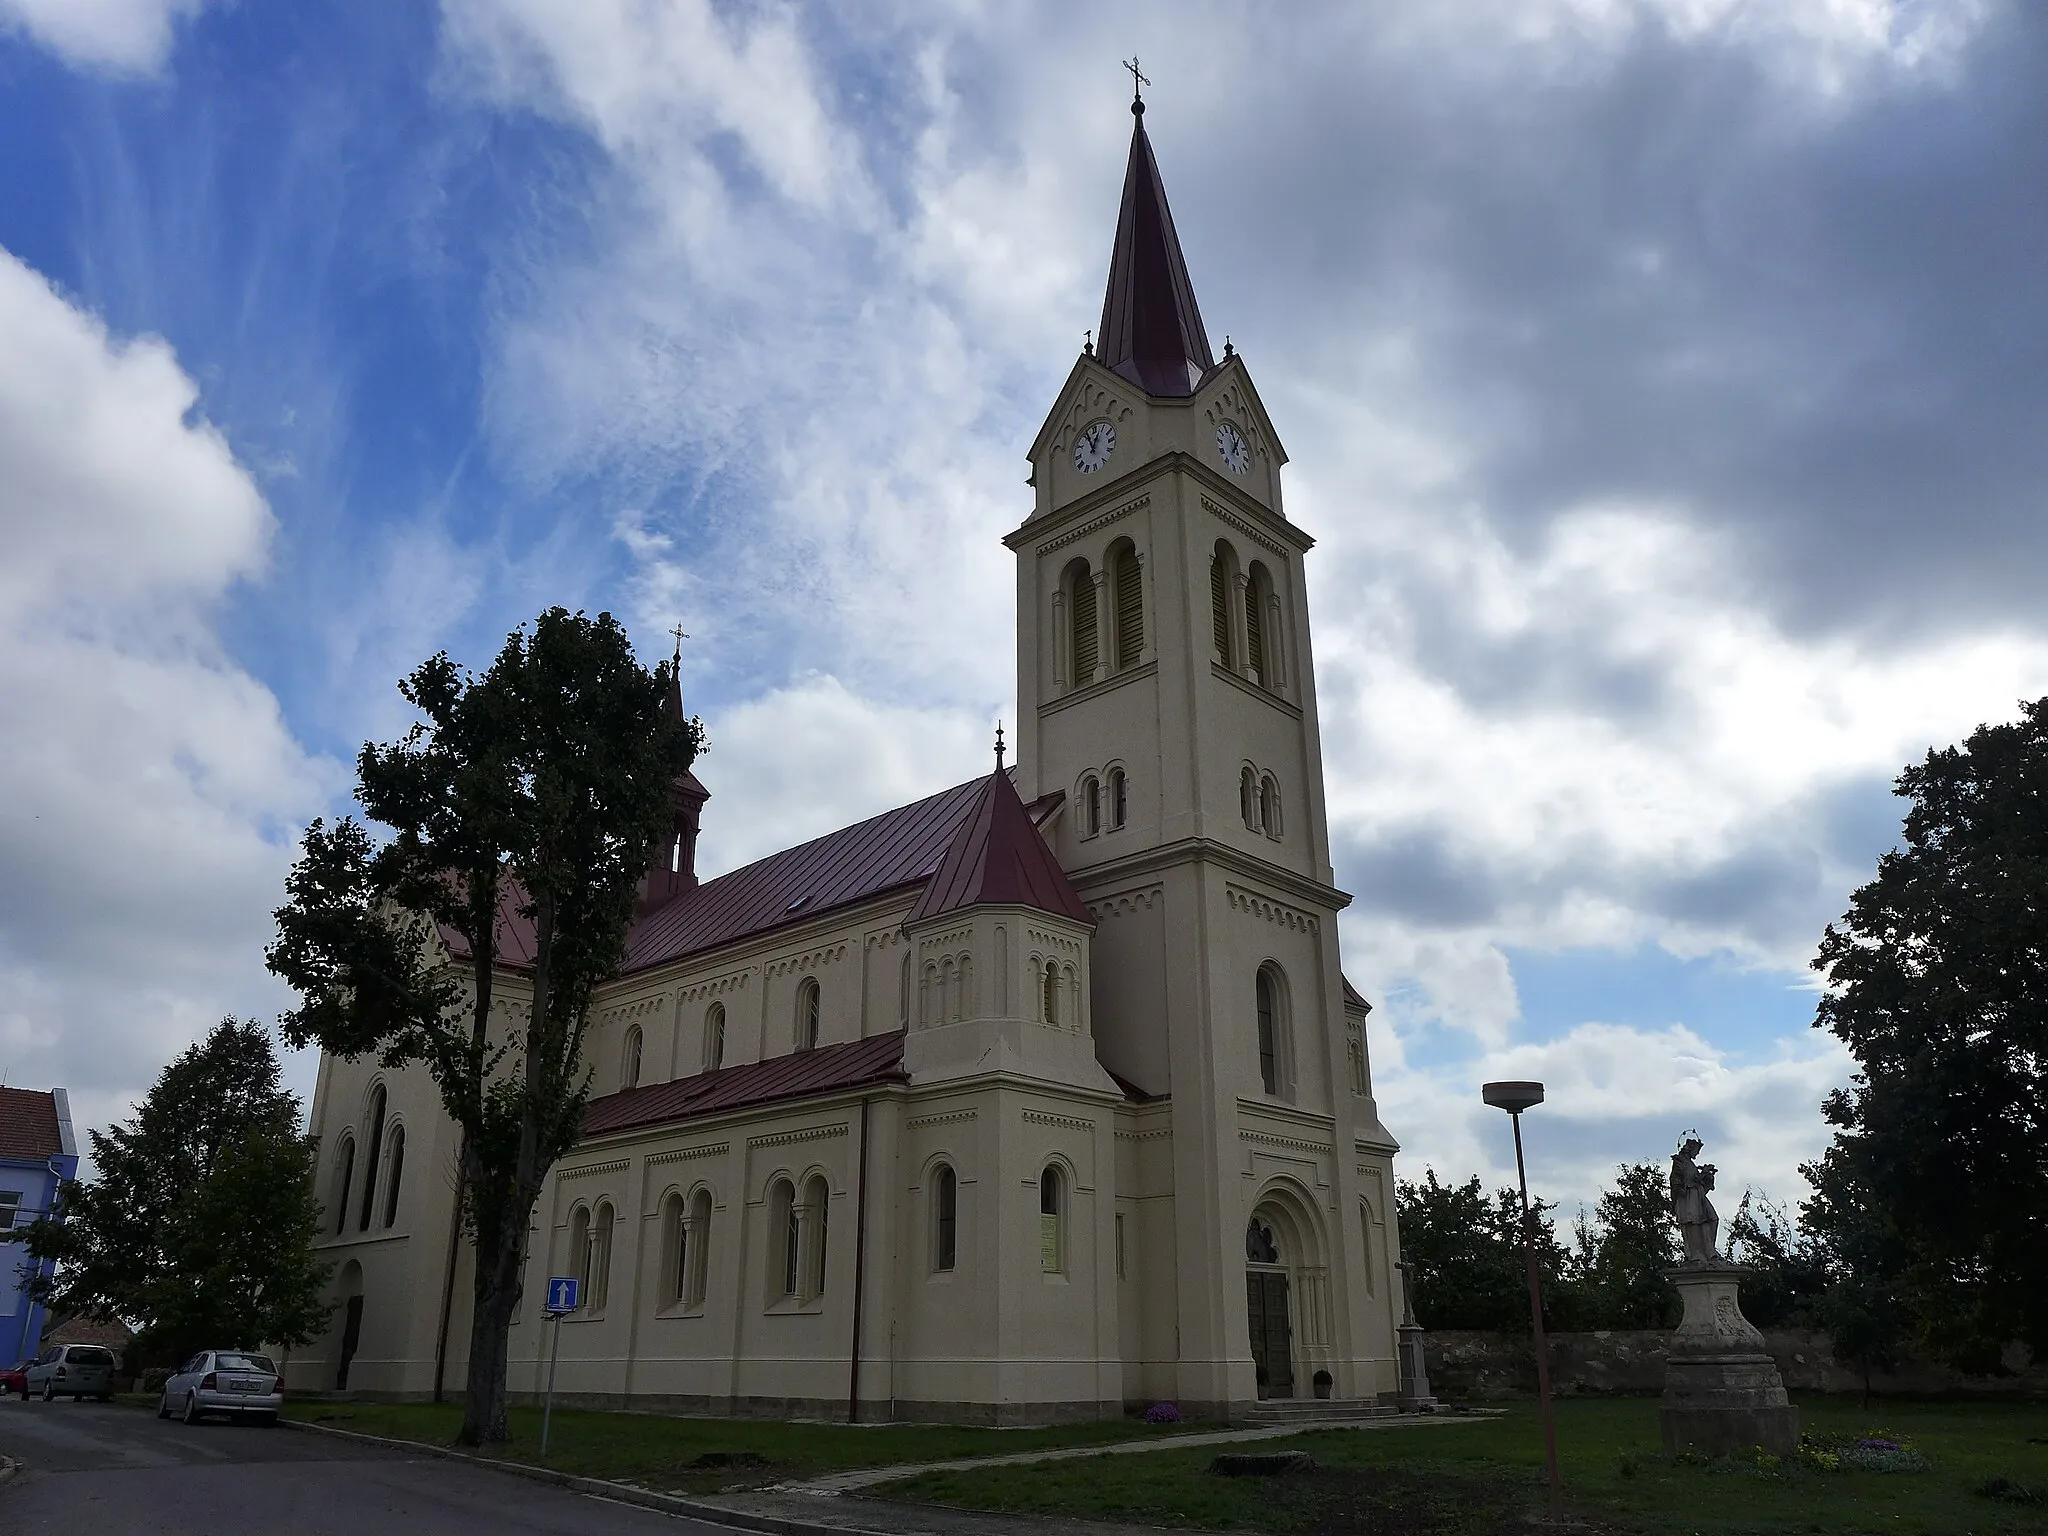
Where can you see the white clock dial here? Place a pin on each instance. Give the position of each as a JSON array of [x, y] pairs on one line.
[[1093, 446], [1237, 453]]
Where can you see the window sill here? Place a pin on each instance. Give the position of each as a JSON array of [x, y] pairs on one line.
[[680, 1310], [1278, 701], [790, 1307], [1109, 684]]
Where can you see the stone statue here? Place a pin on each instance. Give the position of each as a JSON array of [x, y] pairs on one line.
[[1722, 1391], [1699, 1224]]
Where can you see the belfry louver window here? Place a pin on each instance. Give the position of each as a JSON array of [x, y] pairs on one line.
[[1130, 609], [1086, 647]]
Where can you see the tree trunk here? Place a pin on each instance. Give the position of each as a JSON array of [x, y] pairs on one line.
[[501, 1257]]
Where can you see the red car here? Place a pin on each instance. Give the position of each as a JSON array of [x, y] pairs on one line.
[[15, 1380]]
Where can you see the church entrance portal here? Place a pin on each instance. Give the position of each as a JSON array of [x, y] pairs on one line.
[[1266, 1307]]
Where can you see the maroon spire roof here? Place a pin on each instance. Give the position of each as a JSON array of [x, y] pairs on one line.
[[1151, 330], [997, 858]]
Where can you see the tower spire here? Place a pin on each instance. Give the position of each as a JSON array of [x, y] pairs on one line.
[[1151, 329]]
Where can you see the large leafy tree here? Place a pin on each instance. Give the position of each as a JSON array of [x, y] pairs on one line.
[[540, 788], [1937, 981], [198, 1225], [1464, 1252], [1624, 1251]]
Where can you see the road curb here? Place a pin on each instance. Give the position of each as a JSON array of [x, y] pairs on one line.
[[597, 1487]]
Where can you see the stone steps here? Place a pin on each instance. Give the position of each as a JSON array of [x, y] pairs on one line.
[[1314, 1410]]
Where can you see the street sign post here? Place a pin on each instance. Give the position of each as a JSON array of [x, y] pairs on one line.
[[562, 1298]]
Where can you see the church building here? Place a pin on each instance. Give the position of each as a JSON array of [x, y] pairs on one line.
[[1043, 1097]]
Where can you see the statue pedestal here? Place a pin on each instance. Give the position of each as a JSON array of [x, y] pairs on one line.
[[1415, 1396], [1722, 1391]]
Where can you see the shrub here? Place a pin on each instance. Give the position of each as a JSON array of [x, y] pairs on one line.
[[153, 1380], [1162, 1413]]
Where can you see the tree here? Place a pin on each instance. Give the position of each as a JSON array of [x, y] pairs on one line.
[[1622, 1255], [538, 789], [1464, 1253], [198, 1226], [1937, 981], [1787, 1270]]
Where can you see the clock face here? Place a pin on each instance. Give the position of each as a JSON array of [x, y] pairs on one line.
[[1094, 445], [1236, 452]]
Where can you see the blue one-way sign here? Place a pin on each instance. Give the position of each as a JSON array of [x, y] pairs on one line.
[[562, 1293]]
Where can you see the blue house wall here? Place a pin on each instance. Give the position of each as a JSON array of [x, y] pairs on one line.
[[35, 1181]]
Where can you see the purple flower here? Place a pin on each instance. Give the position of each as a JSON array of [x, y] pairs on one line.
[[1877, 1445], [1162, 1413]]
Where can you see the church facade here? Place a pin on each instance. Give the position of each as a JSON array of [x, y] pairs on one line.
[[1042, 1097]]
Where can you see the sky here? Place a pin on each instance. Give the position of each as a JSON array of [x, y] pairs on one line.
[[1663, 382]]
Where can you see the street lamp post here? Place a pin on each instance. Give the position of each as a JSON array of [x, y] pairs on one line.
[[1514, 1098]]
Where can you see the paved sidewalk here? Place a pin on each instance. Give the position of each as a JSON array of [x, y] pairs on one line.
[[868, 1477]]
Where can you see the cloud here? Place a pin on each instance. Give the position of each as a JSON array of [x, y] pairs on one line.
[[1619, 1094], [149, 787], [119, 36], [1655, 372]]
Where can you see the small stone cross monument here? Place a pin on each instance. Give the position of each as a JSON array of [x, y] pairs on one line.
[[1722, 1391], [1415, 1396]]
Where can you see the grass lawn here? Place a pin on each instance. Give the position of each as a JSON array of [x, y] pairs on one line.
[[678, 1455], [1484, 1479]]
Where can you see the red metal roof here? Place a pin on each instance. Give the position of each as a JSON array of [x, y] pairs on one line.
[[895, 850], [1151, 328], [801, 1075], [1352, 998], [28, 1124], [998, 858]]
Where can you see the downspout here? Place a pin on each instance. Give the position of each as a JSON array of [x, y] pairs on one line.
[[448, 1283], [860, 1269]]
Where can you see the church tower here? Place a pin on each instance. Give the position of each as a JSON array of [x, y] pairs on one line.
[[1166, 685]]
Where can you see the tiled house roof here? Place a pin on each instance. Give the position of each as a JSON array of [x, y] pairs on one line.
[[28, 1124]]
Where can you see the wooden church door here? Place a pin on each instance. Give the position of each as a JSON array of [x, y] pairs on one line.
[[1266, 1298]]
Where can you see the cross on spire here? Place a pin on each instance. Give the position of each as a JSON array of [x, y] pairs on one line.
[[1137, 80], [999, 746], [681, 635]]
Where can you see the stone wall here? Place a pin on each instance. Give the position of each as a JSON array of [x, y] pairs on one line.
[[1481, 1365]]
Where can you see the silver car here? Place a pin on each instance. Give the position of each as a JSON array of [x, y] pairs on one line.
[[71, 1370], [235, 1382]]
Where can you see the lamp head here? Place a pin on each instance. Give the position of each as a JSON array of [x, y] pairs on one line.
[[1512, 1097]]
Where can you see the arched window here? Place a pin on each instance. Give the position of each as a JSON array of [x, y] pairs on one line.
[[696, 1255], [1365, 1232], [903, 1011], [1248, 797], [1219, 600], [807, 1015], [344, 1174], [1272, 1021], [1269, 805], [1091, 806], [945, 1217], [1119, 798], [963, 994], [629, 1068], [817, 1201], [579, 1252], [1128, 583], [1049, 994], [1071, 1013], [1052, 1201], [375, 1142], [601, 1224], [1255, 623], [714, 1038], [784, 1236], [675, 1250], [397, 1173], [1086, 649]]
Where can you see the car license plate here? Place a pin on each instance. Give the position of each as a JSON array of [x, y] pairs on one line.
[[241, 1386]]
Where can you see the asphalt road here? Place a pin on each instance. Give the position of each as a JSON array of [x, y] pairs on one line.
[[113, 1470]]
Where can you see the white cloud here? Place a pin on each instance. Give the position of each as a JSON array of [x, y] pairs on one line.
[[121, 36], [832, 282], [1619, 1094], [149, 787]]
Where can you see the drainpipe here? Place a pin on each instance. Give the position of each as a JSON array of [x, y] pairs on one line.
[[448, 1284], [860, 1270]]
